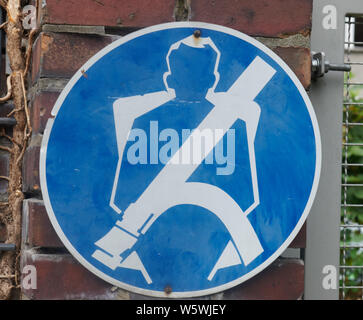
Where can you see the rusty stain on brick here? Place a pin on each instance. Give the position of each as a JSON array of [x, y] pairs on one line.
[[299, 60], [306, 31], [47, 40]]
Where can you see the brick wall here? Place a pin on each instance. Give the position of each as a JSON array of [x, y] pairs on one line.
[[73, 31]]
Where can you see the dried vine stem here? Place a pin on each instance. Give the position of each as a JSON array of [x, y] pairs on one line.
[[21, 134], [32, 33], [6, 149], [3, 4], [7, 277], [3, 24], [3, 134], [8, 94]]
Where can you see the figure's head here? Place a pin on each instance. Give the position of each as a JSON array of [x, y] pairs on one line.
[[192, 64]]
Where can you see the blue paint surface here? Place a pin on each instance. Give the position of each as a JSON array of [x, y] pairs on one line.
[[183, 245]]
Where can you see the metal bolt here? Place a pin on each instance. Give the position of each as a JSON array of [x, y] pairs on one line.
[[197, 33], [168, 289]]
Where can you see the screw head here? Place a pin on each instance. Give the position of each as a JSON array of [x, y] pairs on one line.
[[168, 289], [197, 33]]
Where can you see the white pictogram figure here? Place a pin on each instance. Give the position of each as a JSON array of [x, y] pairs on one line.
[[169, 188]]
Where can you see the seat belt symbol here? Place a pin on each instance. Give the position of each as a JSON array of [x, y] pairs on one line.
[[115, 249]]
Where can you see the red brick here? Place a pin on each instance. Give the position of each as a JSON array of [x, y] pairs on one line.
[[37, 55], [37, 228], [283, 280], [300, 239], [41, 109], [299, 60], [268, 18], [60, 55], [135, 13], [271, 18], [59, 276], [31, 182]]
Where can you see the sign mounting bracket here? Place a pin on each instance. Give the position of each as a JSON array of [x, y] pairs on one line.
[[320, 65]]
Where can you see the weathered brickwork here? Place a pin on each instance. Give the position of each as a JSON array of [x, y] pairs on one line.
[[268, 18]]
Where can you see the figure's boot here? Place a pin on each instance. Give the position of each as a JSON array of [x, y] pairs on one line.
[[228, 258], [117, 251]]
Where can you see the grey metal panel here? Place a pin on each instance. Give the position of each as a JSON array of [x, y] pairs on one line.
[[323, 234]]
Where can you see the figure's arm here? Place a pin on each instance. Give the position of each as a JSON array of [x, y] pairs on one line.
[[125, 111], [248, 86], [241, 97], [252, 120]]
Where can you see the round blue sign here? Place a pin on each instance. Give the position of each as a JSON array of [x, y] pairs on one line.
[[182, 160]]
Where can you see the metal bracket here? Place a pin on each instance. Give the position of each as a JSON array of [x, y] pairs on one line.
[[320, 66], [7, 247]]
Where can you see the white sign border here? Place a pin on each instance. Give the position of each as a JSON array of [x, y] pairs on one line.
[[79, 74]]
